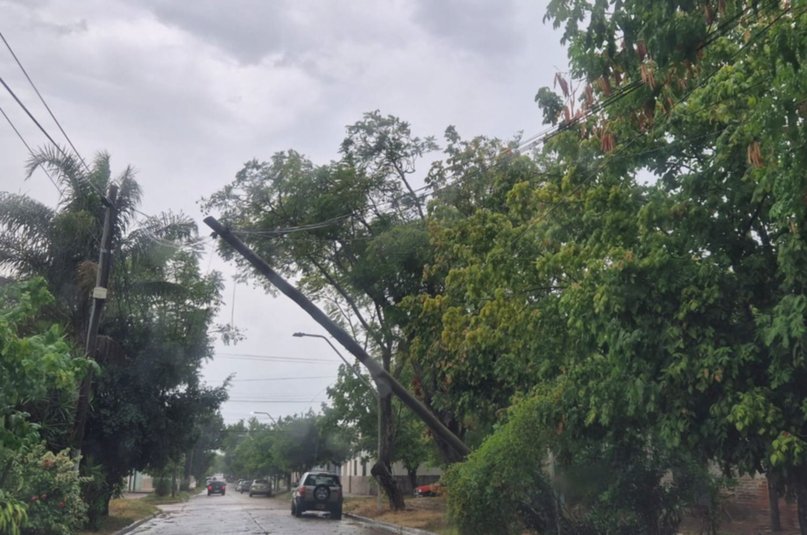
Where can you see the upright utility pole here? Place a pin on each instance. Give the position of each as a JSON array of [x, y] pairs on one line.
[[99, 295], [379, 374]]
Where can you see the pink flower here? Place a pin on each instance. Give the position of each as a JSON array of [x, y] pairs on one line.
[[34, 498]]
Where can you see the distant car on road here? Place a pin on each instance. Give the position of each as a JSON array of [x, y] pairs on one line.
[[318, 491], [242, 486], [260, 486], [216, 487]]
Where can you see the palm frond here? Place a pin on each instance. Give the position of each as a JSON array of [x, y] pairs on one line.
[[67, 170], [129, 195], [24, 233], [166, 230]]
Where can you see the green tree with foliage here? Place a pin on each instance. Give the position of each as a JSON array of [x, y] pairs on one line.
[[352, 231], [156, 330], [657, 314], [39, 490]]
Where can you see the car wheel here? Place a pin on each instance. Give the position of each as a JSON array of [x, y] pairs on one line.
[[250, 495], [222, 493], [321, 493], [336, 514], [298, 511], [208, 493], [293, 510]]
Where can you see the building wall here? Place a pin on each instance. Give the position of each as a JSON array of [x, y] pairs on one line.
[[357, 481], [139, 482], [750, 497]]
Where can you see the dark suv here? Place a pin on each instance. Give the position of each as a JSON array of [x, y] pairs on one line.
[[318, 491], [216, 487]]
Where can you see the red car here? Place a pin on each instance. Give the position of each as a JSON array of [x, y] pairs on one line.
[[433, 489]]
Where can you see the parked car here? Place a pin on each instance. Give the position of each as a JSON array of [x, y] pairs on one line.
[[318, 491], [432, 489], [216, 487], [260, 486], [242, 486]]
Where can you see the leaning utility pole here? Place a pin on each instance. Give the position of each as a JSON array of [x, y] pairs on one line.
[[379, 374], [99, 294]]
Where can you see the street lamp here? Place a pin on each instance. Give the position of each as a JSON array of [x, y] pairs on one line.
[[350, 367], [267, 414]]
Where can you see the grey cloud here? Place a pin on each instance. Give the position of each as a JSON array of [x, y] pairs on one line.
[[482, 27], [28, 12], [248, 30]]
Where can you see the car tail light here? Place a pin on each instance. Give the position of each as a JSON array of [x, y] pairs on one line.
[[301, 492], [210, 487]]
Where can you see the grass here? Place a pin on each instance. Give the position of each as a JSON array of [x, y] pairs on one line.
[[422, 513], [125, 511]]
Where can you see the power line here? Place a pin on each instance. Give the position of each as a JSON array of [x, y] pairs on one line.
[[42, 99], [277, 358], [305, 402], [283, 378], [31, 116], [30, 151], [47, 135], [547, 134]]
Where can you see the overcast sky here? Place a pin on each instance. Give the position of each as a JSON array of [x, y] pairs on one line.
[[186, 91]]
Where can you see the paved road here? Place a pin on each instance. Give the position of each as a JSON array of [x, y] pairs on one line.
[[235, 514]]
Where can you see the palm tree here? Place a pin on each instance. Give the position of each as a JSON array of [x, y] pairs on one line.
[[148, 395], [61, 244]]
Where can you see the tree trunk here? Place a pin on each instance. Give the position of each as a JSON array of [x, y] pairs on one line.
[[385, 480], [382, 468], [801, 497], [413, 476], [773, 503]]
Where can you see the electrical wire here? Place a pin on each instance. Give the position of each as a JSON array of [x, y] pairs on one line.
[[42, 99], [273, 401], [30, 151], [278, 358], [299, 378], [543, 137], [42, 129]]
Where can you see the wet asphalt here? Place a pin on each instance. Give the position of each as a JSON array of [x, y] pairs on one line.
[[236, 513]]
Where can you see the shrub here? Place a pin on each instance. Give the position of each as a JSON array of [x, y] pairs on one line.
[[49, 486], [162, 486], [591, 485]]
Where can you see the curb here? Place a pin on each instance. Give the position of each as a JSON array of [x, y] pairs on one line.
[[135, 524], [395, 528]]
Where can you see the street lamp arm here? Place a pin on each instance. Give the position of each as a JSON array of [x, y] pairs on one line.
[[350, 367]]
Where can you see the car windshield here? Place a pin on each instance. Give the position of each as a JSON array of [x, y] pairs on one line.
[[322, 479], [261, 482]]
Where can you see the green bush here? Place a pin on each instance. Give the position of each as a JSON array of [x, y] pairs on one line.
[[49, 486], [590, 485], [162, 486], [503, 486]]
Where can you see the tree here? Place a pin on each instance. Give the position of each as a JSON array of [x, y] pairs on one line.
[[710, 101], [36, 366], [155, 333], [352, 231], [658, 313]]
